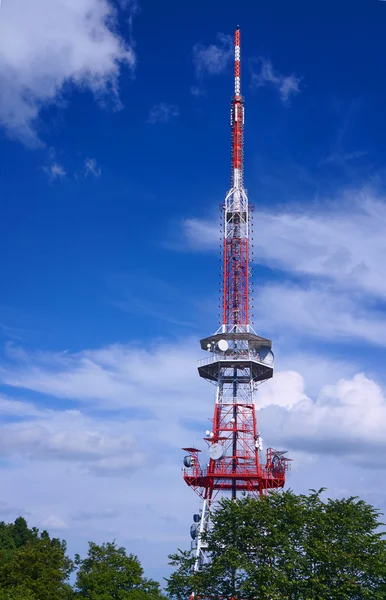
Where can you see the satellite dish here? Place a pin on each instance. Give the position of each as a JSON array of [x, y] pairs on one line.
[[216, 452], [267, 356], [188, 461], [193, 531], [222, 345]]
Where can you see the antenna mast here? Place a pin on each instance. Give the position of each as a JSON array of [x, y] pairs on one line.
[[238, 360]]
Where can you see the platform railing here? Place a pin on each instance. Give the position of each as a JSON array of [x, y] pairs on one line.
[[242, 357]]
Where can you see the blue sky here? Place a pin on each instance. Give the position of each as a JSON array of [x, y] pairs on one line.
[[114, 158]]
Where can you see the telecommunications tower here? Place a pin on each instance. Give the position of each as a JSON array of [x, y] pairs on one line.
[[239, 360]]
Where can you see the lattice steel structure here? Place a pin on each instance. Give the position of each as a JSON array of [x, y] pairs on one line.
[[238, 361]]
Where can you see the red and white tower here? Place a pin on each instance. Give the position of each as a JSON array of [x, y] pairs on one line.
[[239, 360]]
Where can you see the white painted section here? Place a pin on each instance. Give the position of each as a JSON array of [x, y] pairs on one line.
[[236, 178], [200, 552]]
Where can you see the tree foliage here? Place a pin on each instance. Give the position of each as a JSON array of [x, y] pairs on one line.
[[288, 546], [34, 566], [109, 573]]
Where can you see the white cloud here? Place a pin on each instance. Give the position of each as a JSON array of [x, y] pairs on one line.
[[340, 241], [55, 523], [201, 234], [287, 85], [107, 377], [97, 446], [162, 113], [91, 168], [332, 253], [145, 386], [319, 311], [17, 408], [213, 59], [156, 381], [347, 418], [74, 456], [45, 45], [340, 157], [54, 171]]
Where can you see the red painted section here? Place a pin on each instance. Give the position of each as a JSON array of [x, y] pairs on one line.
[[243, 464], [236, 281]]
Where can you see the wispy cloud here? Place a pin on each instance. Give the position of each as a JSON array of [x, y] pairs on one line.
[[320, 312], [54, 522], [54, 171], [197, 91], [286, 85], [43, 46], [340, 240], [91, 168], [163, 113], [330, 260], [339, 155], [213, 59], [343, 157]]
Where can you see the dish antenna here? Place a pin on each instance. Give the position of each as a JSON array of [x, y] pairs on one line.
[[267, 356], [216, 451], [222, 345]]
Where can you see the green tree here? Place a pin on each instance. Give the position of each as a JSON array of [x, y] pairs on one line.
[[284, 546], [108, 573], [19, 592], [32, 565]]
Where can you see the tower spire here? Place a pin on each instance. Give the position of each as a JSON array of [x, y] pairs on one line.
[[236, 218], [238, 360], [237, 121], [237, 62]]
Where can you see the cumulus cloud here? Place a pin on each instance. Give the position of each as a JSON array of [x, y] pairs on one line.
[[162, 113], [286, 85], [214, 58], [347, 418], [46, 45]]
